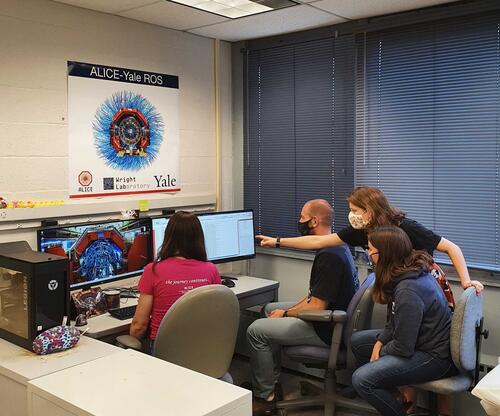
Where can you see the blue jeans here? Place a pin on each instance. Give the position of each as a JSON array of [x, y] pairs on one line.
[[377, 381], [266, 337]]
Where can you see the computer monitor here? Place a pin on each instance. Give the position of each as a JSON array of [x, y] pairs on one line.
[[229, 235], [100, 252]]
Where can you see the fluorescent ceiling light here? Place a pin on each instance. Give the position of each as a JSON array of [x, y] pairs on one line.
[[237, 8]]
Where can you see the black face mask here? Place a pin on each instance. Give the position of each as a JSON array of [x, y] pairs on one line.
[[303, 227]]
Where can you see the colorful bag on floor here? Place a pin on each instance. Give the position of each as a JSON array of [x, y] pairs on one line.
[[55, 339]]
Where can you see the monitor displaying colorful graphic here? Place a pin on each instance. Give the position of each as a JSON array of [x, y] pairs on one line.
[[100, 252]]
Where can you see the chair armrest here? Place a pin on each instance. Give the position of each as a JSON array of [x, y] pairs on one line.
[[323, 316], [339, 316], [316, 315], [128, 341]]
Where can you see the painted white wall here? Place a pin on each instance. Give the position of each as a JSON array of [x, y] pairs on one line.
[[37, 37]]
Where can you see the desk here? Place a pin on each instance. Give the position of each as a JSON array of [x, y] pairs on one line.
[[488, 390], [18, 366], [250, 291], [130, 383]]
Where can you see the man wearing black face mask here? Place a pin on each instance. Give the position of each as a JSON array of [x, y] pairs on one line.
[[303, 227], [332, 284]]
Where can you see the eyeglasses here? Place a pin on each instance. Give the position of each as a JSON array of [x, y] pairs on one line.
[[372, 261]]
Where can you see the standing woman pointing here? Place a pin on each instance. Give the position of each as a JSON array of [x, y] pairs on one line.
[[369, 209]]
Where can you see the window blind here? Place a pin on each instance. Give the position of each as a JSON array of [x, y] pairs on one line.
[[427, 127], [300, 131]]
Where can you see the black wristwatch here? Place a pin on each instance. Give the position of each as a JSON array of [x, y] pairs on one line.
[[285, 314], [278, 244]]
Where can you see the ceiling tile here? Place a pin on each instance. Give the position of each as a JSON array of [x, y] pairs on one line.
[[357, 9], [304, 16], [173, 16], [286, 20], [108, 6], [190, 2]]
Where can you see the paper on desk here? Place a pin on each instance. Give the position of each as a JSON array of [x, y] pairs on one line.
[[490, 409], [488, 390]]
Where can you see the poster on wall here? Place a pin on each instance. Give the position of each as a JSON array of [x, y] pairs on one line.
[[123, 131]]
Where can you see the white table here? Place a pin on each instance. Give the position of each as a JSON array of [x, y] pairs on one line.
[[18, 366], [488, 390], [130, 383], [250, 291]]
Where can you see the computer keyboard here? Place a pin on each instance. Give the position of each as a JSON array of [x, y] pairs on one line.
[[126, 312]]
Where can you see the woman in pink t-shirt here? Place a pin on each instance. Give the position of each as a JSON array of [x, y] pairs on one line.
[[181, 265]]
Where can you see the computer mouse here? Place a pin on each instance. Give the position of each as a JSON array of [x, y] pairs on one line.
[[228, 283]]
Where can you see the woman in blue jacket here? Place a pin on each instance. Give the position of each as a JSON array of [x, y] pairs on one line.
[[414, 347]]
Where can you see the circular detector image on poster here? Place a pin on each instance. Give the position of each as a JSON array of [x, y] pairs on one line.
[[128, 131]]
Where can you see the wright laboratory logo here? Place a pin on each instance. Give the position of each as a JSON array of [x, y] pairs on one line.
[[108, 184]]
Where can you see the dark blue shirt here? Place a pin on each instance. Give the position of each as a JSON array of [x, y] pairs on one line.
[[419, 318], [334, 279]]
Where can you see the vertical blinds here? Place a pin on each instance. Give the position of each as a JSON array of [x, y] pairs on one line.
[[427, 127], [300, 125]]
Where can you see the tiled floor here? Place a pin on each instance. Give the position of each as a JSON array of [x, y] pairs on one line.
[[240, 371]]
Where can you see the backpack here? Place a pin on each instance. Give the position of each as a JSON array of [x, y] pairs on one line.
[[443, 283]]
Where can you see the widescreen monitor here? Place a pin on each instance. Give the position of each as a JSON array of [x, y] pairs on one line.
[[100, 252], [229, 235]]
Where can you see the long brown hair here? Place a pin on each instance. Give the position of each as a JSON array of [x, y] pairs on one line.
[[183, 237], [395, 257], [376, 203]]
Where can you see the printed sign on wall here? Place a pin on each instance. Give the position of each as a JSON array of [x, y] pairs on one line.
[[123, 131]]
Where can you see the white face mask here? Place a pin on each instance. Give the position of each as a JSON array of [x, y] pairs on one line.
[[356, 220]]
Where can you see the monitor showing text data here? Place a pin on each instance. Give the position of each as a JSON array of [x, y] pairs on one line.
[[229, 236]]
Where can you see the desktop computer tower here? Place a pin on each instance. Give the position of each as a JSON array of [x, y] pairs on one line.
[[33, 292]]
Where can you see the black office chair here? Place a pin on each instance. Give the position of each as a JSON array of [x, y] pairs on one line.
[[337, 356], [198, 332]]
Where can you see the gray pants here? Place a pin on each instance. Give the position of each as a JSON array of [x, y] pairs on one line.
[[266, 336]]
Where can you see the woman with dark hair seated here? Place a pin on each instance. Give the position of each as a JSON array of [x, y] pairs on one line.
[[181, 265], [414, 347]]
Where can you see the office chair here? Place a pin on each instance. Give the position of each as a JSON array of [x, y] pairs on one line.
[[198, 332], [465, 345], [337, 356]]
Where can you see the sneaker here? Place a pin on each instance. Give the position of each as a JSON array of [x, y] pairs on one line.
[[261, 407]]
